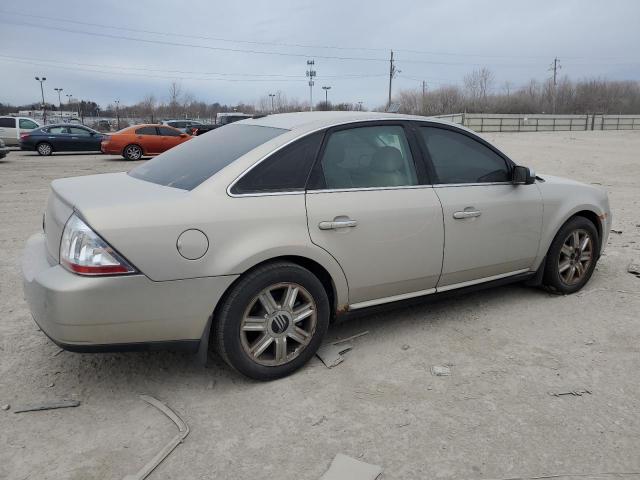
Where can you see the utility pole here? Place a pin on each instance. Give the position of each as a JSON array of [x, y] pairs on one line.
[[117, 102], [44, 109], [59, 102], [272, 95], [326, 97], [555, 67], [392, 74], [311, 73]]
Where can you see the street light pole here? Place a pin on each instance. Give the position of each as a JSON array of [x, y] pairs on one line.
[[117, 113], [59, 102], [311, 73], [44, 110], [326, 97], [272, 95]]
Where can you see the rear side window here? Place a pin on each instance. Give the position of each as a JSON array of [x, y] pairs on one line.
[[58, 130], [191, 163], [168, 132], [79, 131], [286, 170], [27, 124], [146, 131], [8, 122], [458, 158]]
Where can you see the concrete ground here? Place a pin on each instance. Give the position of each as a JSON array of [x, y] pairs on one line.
[[492, 418]]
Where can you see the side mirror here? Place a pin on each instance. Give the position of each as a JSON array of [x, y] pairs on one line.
[[522, 175]]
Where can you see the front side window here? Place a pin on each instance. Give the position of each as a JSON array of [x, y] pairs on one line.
[[8, 122], [368, 157], [286, 170], [79, 131], [168, 132], [146, 131], [458, 158], [191, 163]]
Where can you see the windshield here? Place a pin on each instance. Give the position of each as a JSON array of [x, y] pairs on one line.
[[191, 163]]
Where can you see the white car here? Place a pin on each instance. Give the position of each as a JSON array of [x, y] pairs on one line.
[[12, 127], [254, 237]]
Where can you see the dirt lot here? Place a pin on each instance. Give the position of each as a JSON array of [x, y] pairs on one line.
[[492, 418]]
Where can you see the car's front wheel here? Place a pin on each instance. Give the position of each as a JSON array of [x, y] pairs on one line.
[[132, 152], [44, 149], [273, 321], [572, 256]]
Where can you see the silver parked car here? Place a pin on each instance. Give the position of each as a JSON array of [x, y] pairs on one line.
[[253, 238]]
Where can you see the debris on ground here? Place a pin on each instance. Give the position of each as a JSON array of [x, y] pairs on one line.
[[331, 354], [319, 421], [634, 268], [440, 370], [6, 407], [183, 431], [619, 232], [52, 405], [590, 342], [347, 468], [575, 393], [405, 347], [348, 339], [58, 352]]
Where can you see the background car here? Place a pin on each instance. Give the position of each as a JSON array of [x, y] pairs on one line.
[[254, 237], [12, 127], [182, 125], [61, 138], [4, 150], [140, 140], [196, 130]]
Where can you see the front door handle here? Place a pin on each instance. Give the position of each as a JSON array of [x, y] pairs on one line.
[[466, 214], [335, 224]]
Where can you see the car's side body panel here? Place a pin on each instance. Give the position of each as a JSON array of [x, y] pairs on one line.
[[557, 210], [503, 238]]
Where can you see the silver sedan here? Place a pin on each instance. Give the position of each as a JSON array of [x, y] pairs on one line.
[[253, 238]]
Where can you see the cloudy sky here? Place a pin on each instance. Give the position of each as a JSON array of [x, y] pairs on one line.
[[241, 50]]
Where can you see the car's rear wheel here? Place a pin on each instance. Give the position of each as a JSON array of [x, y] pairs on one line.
[[272, 322], [44, 148], [132, 152], [572, 256]]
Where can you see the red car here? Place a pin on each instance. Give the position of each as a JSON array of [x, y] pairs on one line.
[[142, 140]]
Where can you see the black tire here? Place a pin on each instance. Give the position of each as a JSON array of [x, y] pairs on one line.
[[132, 152], [553, 280], [227, 336], [44, 149]]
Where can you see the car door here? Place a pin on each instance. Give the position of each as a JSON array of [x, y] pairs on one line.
[[492, 227], [8, 131], [148, 139], [82, 140], [59, 137], [370, 206], [169, 137]]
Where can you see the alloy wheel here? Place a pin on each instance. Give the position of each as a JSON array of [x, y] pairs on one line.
[[133, 152], [44, 149], [575, 257], [278, 324]]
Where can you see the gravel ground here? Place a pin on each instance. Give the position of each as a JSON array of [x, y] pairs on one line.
[[492, 418]]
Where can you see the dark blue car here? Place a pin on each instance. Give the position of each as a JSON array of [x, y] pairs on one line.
[[61, 138]]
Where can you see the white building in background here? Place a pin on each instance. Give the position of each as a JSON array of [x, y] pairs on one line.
[[53, 116]]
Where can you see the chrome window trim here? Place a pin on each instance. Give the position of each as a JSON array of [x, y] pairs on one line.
[[311, 132], [367, 189], [476, 184]]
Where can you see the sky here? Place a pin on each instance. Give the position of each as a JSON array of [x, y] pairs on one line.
[[239, 51]]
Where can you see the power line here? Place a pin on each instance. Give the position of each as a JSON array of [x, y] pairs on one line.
[[280, 44], [250, 51]]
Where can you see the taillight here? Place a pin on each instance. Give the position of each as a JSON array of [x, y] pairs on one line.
[[82, 251], [24, 136]]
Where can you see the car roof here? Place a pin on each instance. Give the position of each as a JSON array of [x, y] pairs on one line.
[[65, 125], [308, 121]]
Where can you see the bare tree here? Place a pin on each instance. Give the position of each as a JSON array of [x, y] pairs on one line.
[[148, 107], [175, 94]]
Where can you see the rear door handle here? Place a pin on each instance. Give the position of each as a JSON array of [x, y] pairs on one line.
[[334, 225], [467, 214]]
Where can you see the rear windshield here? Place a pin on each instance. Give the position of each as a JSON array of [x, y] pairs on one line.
[[191, 163]]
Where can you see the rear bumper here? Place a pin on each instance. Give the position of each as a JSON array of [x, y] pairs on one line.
[[4, 151], [119, 312], [27, 147], [110, 150]]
